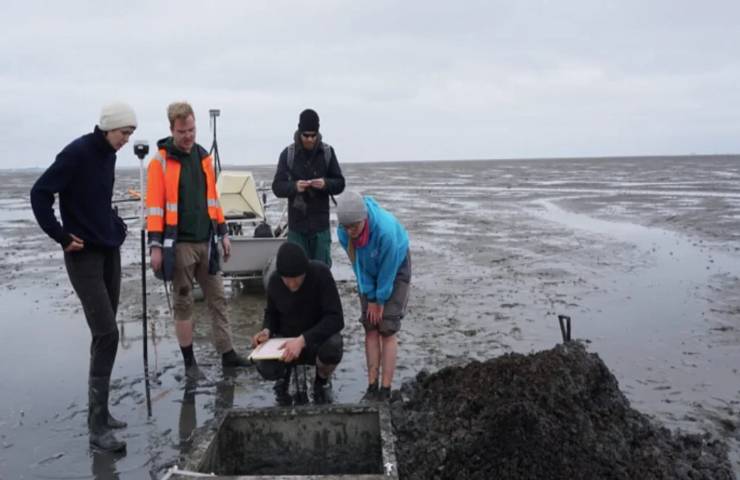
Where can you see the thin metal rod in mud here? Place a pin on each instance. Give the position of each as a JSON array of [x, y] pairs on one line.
[[145, 345], [564, 321]]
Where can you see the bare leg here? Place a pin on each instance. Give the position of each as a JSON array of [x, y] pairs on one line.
[[184, 332], [390, 350], [372, 354]]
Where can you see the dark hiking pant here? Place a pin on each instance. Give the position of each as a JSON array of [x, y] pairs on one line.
[[95, 275], [316, 245]]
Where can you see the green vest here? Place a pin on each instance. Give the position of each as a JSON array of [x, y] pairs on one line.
[[193, 223]]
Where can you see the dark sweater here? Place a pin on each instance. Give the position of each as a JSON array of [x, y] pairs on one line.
[[310, 214], [313, 311], [83, 175]]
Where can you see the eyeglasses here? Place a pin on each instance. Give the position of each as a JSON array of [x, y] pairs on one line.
[[309, 134]]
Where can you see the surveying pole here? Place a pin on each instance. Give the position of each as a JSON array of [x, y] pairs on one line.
[[141, 149]]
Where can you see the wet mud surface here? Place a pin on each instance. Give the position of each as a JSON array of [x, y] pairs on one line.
[[643, 254]]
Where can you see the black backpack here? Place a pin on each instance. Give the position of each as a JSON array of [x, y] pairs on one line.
[[327, 160], [263, 230], [291, 156]]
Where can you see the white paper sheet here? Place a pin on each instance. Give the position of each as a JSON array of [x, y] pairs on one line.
[[270, 350]]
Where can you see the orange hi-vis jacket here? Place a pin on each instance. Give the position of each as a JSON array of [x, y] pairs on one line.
[[162, 187]]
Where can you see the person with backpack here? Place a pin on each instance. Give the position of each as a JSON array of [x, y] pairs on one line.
[[307, 175]]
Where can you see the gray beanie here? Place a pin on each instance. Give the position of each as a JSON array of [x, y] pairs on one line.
[[350, 208], [116, 115]]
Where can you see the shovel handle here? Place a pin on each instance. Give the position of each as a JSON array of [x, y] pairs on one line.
[[564, 321]]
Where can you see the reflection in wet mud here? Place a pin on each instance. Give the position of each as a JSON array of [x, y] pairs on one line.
[[104, 465]]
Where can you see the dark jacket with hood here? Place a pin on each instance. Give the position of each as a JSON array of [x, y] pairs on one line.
[[313, 311], [308, 212], [83, 175]]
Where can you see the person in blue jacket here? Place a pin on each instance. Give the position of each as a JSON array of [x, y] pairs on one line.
[[378, 248]]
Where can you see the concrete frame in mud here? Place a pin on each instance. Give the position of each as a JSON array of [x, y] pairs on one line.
[[373, 419]]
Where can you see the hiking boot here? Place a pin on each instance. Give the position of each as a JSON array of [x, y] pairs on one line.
[[231, 359], [282, 395], [371, 394], [322, 392], [101, 436], [301, 398], [301, 389], [384, 394], [194, 374]]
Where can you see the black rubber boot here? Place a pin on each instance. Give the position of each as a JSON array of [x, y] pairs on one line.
[[115, 423], [322, 392], [282, 389], [112, 421], [101, 435], [231, 359], [301, 389]]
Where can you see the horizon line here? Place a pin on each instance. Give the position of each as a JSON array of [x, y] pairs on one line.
[[510, 159]]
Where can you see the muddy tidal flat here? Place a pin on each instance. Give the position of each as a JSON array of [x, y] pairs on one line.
[[642, 253]]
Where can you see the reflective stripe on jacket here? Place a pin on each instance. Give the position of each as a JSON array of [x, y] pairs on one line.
[[163, 179]]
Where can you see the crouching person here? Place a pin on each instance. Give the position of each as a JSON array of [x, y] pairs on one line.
[[303, 307], [378, 249]]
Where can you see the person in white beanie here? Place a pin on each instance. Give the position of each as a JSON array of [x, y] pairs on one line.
[[378, 249], [91, 234]]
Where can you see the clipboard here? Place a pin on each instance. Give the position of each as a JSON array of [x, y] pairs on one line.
[[270, 350]]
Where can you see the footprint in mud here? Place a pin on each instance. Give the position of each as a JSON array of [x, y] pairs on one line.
[[516, 333], [510, 305]]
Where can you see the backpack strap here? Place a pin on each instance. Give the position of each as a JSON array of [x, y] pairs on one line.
[[291, 157], [327, 154], [290, 160]]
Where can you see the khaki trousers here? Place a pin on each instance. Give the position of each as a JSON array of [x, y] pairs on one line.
[[191, 264]]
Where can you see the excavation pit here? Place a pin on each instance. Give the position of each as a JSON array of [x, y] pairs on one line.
[[310, 442]]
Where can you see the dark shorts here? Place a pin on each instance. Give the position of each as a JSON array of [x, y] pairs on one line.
[[329, 353], [395, 308]]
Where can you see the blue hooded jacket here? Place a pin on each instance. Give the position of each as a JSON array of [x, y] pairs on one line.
[[377, 263]]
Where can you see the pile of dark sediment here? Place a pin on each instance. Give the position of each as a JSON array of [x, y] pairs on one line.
[[556, 414]]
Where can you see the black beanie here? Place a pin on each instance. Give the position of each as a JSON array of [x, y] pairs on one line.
[[308, 121], [291, 260]]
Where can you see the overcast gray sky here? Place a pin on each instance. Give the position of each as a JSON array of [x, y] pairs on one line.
[[391, 80]]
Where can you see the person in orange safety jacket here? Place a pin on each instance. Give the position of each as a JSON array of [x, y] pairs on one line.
[[185, 223]]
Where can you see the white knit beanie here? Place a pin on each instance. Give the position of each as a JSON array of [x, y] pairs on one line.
[[117, 115], [350, 208]]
